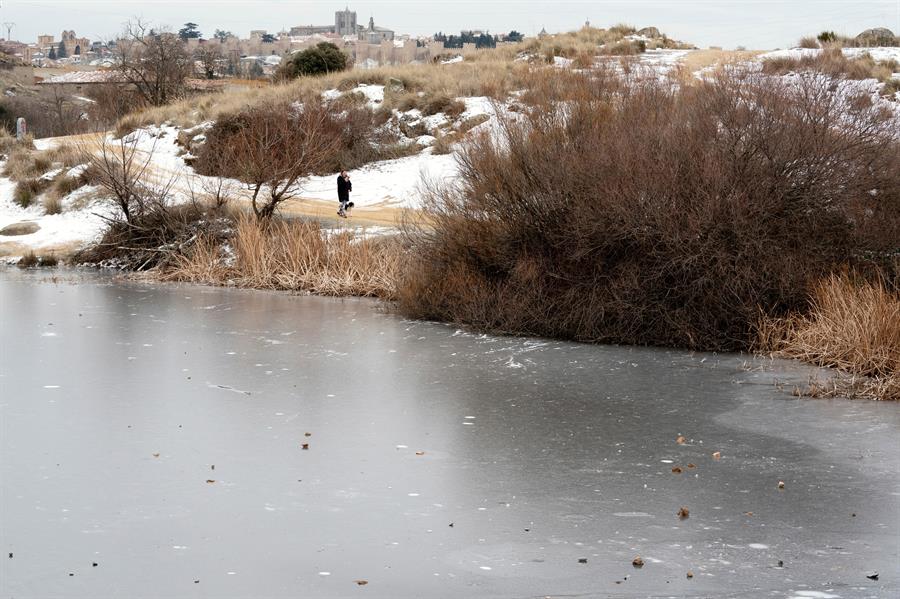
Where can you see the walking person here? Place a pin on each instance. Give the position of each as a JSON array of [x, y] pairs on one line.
[[344, 187]]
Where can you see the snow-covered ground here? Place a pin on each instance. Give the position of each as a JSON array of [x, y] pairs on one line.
[[392, 182], [80, 221], [877, 53]]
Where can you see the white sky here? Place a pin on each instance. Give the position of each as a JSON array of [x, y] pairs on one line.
[[762, 24]]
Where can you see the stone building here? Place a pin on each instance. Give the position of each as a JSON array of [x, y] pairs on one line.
[[375, 35], [345, 22], [75, 45]]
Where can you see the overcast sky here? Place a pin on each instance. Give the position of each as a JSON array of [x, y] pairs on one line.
[[762, 24]]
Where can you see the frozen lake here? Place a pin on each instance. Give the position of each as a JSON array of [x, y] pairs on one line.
[[152, 446]]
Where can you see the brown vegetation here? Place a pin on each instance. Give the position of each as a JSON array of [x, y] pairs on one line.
[[852, 325], [155, 63], [31, 260], [271, 148], [832, 62], [489, 72], [652, 215], [294, 255]]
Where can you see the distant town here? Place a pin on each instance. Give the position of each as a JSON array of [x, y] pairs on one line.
[[368, 45]]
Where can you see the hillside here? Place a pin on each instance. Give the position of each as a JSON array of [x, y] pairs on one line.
[[414, 116]]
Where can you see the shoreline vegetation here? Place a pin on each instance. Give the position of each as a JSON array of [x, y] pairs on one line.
[[738, 211]]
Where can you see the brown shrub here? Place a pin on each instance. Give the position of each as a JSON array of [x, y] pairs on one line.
[[442, 103], [272, 148], [111, 103], [53, 204], [444, 142], [832, 62], [625, 48], [891, 87], [353, 130], [31, 260], [24, 163], [27, 190], [809, 42], [65, 185], [655, 215]]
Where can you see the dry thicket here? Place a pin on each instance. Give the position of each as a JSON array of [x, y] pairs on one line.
[[650, 214], [271, 149], [346, 136]]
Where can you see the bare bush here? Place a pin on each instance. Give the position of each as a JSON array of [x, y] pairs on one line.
[[211, 59], [112, 102], [655, 215], [125, 173], [271, 149]]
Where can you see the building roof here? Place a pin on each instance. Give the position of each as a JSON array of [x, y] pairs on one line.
[[82, 77]]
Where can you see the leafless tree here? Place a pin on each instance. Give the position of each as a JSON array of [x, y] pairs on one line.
[[210, 57], [273, 148], [156, 63], [66, 116], [125, 172]]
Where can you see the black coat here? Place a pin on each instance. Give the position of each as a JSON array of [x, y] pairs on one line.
[[344, 189]]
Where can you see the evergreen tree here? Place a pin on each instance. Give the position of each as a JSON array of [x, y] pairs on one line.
[[61, 50], [323, 58], [52, 54], [189, 31]]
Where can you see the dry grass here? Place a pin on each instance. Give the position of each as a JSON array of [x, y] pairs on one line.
[[32, 260], [495, 78], [853, 325], [296, 255], [53, 204], [852, 387], [27, 190], [493, 72], [24, 162], [833, 62]]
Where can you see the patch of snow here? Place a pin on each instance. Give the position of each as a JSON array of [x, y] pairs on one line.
[[453, 60], [388, 183], [76, 171], [561, 62], [878, 53], [50, 175], [76, 226]]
